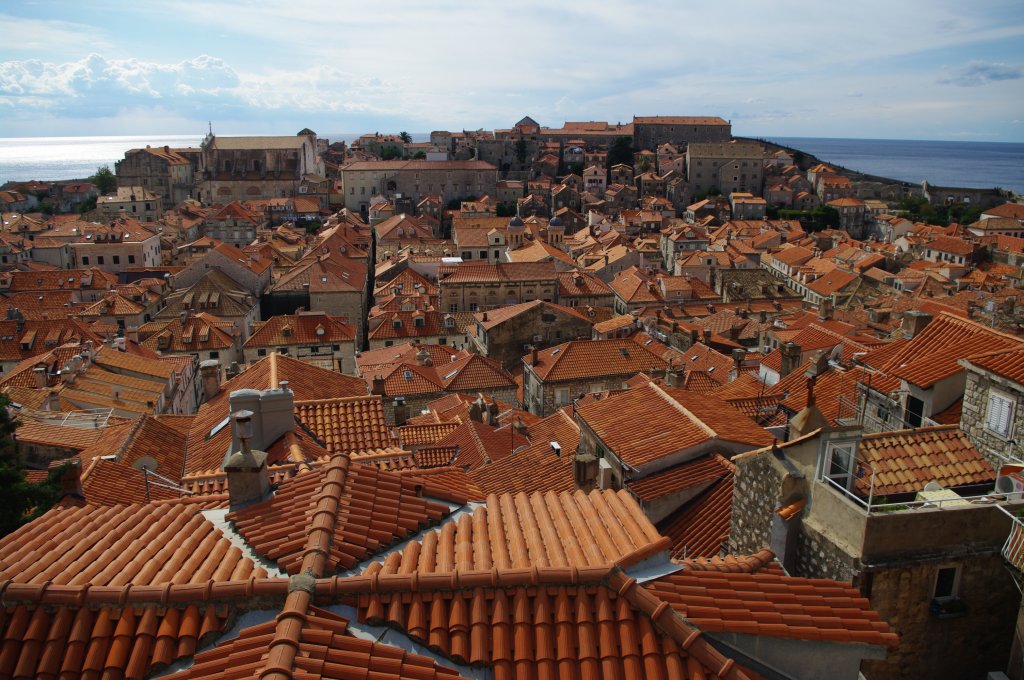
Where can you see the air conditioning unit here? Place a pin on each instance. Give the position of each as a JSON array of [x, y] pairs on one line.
[[1010, 481], [604, 474], [537, 338]]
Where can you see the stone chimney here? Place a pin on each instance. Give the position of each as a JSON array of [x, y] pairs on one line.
[[246, 468], [209, 373], [131, 334], [914, 322], [492, 412], [707, 336], [377, 385], [39, 373], [533, 355], [423, 357], [825, 309], [273, 414], [401, 410], [476, 412], [790, 358], [71, 481], [738, 357], [53, 401], [694, 337]]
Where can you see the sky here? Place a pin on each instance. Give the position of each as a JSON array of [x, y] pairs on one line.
[[910, 69]]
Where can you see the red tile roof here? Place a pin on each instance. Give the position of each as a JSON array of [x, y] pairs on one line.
[[808, 609], [568, 529], [308, 328], [582, 359], [701, 527], [673, 421], [536, 467], [346, 424], [84, 642], [1008, 363], [933, 354], [905, 461], [372, 510], [205, 451], [681, 477], [142, 544]]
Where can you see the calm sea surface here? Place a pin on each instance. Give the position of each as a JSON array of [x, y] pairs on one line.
[[981, 165], [968, 164]]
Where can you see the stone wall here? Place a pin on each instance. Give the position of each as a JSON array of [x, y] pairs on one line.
[[819, 557], [931, 647], [755, 496], [975, 411]]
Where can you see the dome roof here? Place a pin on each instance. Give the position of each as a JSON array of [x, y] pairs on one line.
[[516, 222], [555, 221]]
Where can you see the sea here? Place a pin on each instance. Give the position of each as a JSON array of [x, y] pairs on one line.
[[979, 165], [942, 163]]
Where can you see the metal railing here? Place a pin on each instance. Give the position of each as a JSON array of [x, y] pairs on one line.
[[864, 413], [871, 503]]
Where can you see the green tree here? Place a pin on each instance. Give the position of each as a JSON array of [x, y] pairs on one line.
[[405, 137], [87, 205], [23, 501], [620, 151], [419, 155], [104, 179], [521, 151], [389, 153]]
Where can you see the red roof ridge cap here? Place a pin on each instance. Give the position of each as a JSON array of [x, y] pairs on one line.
[[682, 409], [776, 444]]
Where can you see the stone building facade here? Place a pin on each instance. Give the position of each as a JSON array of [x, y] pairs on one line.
[[249, 168], [476, 287], [650, 132], [993, 413], [899, 559], [450, 180], [729, 167], [162, 170]]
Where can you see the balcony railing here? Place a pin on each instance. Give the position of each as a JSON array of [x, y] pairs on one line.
[[874, 417]]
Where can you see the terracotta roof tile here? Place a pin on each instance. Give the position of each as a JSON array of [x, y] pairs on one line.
[[346, 424], [701, 527], [696, 472], [904, 461], [307, 382], [375, 509], [817, 609], [536, 467], [142, 544], [47, 642], [581, 359], [674, 420]]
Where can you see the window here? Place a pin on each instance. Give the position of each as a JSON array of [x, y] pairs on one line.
[[483, 254], [562, 396], [215, 355], [453, 308], [914, 413], [99, 260], [117, 259], [261, 352], [131, 259], [85, 260], [947, 583], [472, 306], [839, 463], [999, 419]]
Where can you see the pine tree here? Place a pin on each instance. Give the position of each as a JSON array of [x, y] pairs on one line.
[[22, 500]]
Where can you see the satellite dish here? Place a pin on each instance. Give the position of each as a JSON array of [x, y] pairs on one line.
[[837, 354], [147, 462], [933, 486]]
